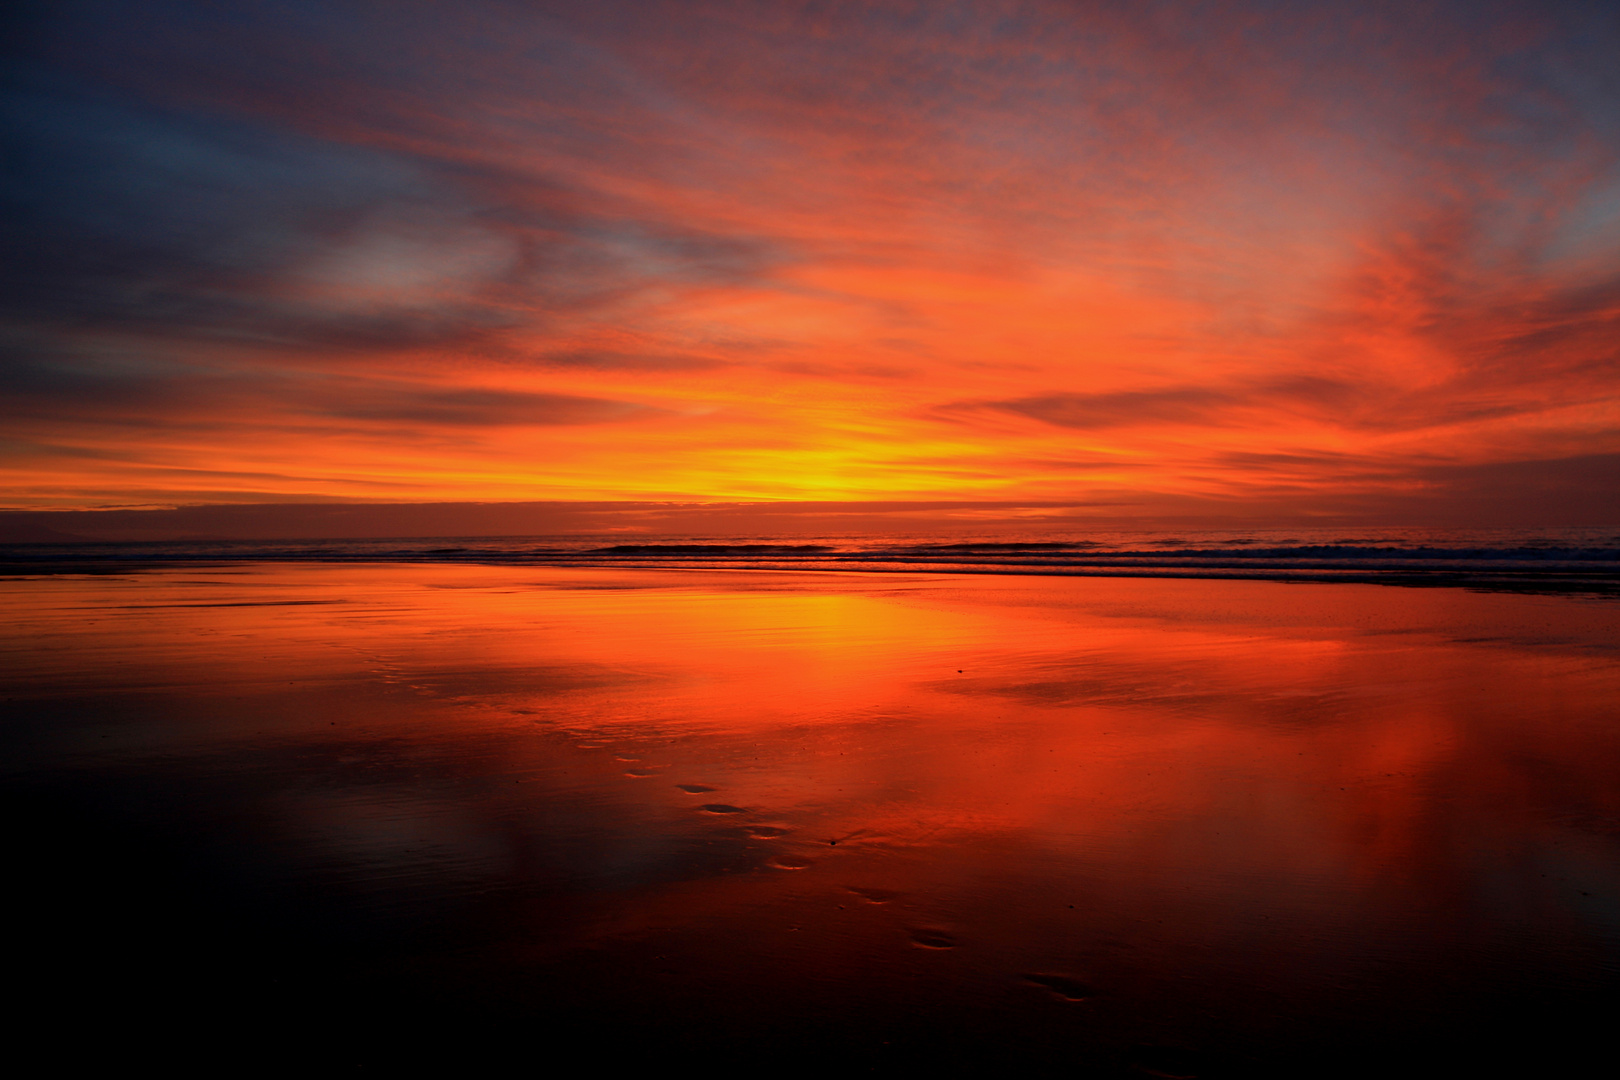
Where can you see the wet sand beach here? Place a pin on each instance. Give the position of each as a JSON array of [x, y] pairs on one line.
[[371, 816]]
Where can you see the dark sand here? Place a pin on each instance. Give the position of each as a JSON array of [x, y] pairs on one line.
[[378, 817]]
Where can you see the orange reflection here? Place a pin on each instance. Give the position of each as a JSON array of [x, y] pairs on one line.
[[1240, 816]]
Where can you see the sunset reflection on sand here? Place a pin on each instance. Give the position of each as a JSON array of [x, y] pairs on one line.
[[1073, 825]]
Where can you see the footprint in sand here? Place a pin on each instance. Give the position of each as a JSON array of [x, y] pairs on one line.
[[1169, 1063], [875, 896], [1064, 986], [721, 808], [694, 789], [932, 939], [790, 863]]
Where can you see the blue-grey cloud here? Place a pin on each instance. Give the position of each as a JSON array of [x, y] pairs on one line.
[[123, 211], [481, 408]]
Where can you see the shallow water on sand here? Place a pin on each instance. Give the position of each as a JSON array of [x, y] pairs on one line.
[[382, 814]]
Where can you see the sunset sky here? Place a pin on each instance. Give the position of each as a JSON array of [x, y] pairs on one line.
[[1125, 258]]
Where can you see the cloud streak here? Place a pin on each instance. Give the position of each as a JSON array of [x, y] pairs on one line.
[[1099, 253]]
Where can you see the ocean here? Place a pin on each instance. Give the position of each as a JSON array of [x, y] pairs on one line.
[[1539, 560]]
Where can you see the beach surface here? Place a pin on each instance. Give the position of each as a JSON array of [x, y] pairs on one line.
[[390, 813]]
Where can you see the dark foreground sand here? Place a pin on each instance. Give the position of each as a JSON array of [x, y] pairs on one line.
[[380, 817]]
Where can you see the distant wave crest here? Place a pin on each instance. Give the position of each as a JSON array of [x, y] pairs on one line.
[[1571, 561]]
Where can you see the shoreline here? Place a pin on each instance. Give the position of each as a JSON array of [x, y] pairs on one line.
[[1540, 581]]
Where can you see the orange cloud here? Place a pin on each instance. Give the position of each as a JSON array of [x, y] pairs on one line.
[[1125, 255]]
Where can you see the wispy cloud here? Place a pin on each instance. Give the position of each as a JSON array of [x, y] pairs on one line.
[[481, 408], [724, 250]]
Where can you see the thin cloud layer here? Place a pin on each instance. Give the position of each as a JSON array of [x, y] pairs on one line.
[[1103, 254]]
